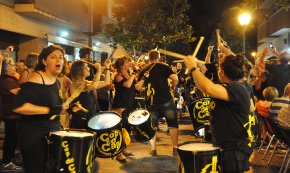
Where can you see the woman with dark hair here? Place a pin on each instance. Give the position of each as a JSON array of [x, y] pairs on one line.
[[125, 88], [9, 87], [30, 63], [230, 115], [79, 72], [38, 100]]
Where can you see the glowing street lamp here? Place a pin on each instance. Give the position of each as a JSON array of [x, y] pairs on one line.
[[244, 20]]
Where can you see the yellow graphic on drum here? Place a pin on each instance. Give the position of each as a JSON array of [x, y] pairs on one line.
[[213, 166], [109, 143], [89, 159], [202, 108], [69, 160]]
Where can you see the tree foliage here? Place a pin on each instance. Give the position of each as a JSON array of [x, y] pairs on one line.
[[147, 24]]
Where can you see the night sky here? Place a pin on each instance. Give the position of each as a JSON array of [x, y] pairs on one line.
[[205, 16]]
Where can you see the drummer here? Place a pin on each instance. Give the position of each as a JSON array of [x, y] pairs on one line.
[[159, 98], [125, 87], [231, 110], [79, 72], [39, 99]]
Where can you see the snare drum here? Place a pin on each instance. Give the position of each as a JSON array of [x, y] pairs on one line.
[[109, 136], [72, 151], [139, 102], [141, 125], [199, 157]]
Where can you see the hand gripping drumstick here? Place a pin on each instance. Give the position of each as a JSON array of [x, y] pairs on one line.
[[68, 101], [196, 50]]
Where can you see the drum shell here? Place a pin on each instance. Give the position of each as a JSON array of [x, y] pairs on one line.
[[143, 131], [199, 111], [198, 161], [109, 142], [72, 153]]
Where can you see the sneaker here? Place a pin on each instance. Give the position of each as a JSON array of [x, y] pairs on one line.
[[153, 153], [10, 167], [174, 151]]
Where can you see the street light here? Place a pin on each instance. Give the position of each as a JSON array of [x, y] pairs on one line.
[[244, 20]]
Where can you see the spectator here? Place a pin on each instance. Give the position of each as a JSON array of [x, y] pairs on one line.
[[280, 102]]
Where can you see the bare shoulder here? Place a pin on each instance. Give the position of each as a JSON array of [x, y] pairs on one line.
[[118, 77], [35, 78]]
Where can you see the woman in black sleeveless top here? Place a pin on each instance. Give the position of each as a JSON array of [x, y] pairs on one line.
[[38, 100], [125, 87]]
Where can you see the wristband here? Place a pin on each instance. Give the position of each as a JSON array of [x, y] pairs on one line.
[[55, 110], [192, 69]]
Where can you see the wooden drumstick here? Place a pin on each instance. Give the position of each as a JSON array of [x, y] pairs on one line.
[[68, 101], [218, 36], [173, 54], [198, 46], [87, 62], [196, 50]]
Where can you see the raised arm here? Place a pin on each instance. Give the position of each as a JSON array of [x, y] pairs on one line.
[[261, 63], [203, 83]]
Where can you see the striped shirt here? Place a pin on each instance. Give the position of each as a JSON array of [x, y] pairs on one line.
[[277, 104], [284, 117]]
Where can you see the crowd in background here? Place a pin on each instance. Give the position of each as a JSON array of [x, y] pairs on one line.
[[41, 87]]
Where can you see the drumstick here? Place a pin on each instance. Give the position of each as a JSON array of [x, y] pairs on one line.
[[87, 62], [198, 46], [196, 50], [173, 54], [218, 36], [75, 94], [176, 61]]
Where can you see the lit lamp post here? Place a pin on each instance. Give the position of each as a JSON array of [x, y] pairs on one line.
[[244, 20]]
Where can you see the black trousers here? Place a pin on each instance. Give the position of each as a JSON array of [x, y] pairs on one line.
[[32, 136], [10, 141]]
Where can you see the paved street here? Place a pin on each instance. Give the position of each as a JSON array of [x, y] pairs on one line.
[[166, 162]]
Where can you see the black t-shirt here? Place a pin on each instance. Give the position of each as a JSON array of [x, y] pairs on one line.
[[229, 118], [279, 76], [157, 83], [124, 97]]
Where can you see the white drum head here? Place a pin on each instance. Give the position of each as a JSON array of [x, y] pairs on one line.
[[195, 147], [138, 117], [72, 133], [104, 121]]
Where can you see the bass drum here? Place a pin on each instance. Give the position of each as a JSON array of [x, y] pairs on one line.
[[199, 158], [141, 125], [109, 135], [72, 151]]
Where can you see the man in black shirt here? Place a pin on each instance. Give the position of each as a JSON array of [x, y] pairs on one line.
[[279, 74], [159, 98]]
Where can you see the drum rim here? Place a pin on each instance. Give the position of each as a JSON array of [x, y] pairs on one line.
[[139, 110], [200, 142], [104, 112], [73, 130]]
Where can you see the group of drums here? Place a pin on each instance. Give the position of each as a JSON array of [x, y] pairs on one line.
[[74, 150]]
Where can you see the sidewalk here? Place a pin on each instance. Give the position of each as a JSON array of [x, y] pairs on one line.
[[142, 160]]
